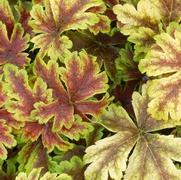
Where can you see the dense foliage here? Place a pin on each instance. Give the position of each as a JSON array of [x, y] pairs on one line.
[[90, 89]]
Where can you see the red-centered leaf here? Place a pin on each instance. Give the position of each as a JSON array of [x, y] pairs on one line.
[[21, 96], [6, 16], [6, 139], [33, 130], [12, 49], [57, 16], [82, 79], [33, 155]]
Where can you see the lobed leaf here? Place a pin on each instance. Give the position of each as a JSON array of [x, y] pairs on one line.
[[83, 80], [58, 17], [33, 130], [148, 19], [21, 96], [152, 152], [162, 59]]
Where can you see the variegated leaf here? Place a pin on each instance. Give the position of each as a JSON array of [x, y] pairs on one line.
[[152, 152]]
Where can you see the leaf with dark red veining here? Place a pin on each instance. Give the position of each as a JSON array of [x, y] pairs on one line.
[[58, 17], [164, 59], [143, 22], [149, 151], [33, 130], [21, 97], [12, 49], [83, 80]]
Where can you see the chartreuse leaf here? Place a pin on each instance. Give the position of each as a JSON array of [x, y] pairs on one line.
[[151, 154], [144, 22], [53, 18], [82, 78], [12, 49], [35, 174], [74, 167], [162, 59]]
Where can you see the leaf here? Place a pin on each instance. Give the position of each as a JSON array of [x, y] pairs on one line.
[[57, 17], [21, 96], [6, 139], [74, 168], [164, 56], [33, 155], [12, 49], [35, 174], [144, 22], [127, 69], [148, 150], [10, 120], [103, 25], [163, 59], [169, 10], [33, 130], [101, 45], [83, 80]]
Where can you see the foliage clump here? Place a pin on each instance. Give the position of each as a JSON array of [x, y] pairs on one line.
[[90, 89]]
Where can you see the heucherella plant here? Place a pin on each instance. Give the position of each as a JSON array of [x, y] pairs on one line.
[[90, 90]]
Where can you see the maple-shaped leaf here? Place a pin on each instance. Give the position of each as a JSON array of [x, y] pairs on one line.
[[33, 130], [162, 59], [57, 16], [144, 22], [82, 78], [35, 174], [12, 49], [21, 96], [33, 155], [6, 139], [151, 154]]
